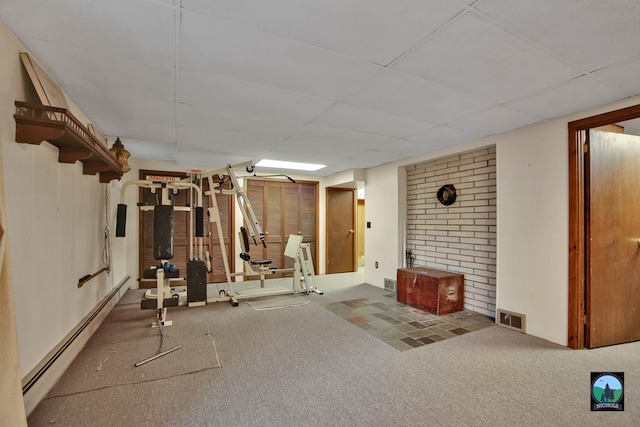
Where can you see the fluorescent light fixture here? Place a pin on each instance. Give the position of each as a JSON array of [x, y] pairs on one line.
[[289, 165]]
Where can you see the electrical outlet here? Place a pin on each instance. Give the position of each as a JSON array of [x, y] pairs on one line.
[[376, 264]]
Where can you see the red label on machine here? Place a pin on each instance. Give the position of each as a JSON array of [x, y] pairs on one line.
[[196, 171], [160, 178]]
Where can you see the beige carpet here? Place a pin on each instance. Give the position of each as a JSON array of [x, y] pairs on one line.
[[109, 359]]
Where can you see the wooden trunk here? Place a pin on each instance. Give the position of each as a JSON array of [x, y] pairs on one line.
[[434, 291]]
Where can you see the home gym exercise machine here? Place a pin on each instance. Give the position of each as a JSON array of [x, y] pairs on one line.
[[303, 271], [163, 231], [299, 252], [198, 266]]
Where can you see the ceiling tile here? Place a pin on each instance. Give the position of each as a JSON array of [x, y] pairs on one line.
[[154, 150], [346, 139], [409, 96], [295, 150], [142, 30], [232, 80], [576, 95], [208, 160], [443, 136], [116, 75], [221, 118], [209, 44], [124, 128], [589, 34], [496, 120], [225, 142], [624, 75], [374, 30], [320, 143], [203, 89], [351, 117], [465, 56], [96, 104]]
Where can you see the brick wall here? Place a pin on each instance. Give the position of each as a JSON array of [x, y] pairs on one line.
[[460, 237]]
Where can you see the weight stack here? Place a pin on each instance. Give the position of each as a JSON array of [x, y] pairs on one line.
[[196, 281]]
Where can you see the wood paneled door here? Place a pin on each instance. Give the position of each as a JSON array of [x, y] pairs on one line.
[[604, 231], [613, 238], [284, 208], [341, 230]]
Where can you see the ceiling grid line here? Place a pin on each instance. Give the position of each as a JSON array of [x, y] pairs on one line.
[[178, 37], [416, 46]]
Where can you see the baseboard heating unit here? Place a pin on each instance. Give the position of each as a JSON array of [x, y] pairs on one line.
[[44, 376]]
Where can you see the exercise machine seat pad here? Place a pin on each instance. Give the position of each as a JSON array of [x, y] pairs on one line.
[[152, 273], [260, 261]]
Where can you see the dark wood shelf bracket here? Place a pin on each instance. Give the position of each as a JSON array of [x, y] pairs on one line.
[[36, 123]]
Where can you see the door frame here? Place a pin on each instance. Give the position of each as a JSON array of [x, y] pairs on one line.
[[577, 228], [360, 216]]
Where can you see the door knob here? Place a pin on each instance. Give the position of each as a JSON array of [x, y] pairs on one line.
[[351, 231]]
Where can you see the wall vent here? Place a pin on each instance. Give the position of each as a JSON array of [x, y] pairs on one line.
[[390, 284], [512, 320]]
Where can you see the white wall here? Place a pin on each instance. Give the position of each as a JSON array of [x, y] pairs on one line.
[[382, 242], [56, 219], [532, 220]]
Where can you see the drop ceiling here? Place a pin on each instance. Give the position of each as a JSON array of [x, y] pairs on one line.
[[349, 83]]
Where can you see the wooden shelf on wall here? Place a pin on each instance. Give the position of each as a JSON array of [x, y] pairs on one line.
[[36, 123]]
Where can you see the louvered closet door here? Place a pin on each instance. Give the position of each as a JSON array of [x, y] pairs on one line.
[[283, 208]]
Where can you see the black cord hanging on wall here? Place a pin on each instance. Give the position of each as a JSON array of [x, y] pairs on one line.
[[447, 194]]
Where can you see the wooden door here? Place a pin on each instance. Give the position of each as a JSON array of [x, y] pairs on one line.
[[360, 232], [341, 225], [613, 238]]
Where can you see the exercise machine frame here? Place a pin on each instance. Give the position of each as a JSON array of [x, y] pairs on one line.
[[303, 271], [164, 295]]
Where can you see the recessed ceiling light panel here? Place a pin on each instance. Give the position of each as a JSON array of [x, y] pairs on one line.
[[279, 164]]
